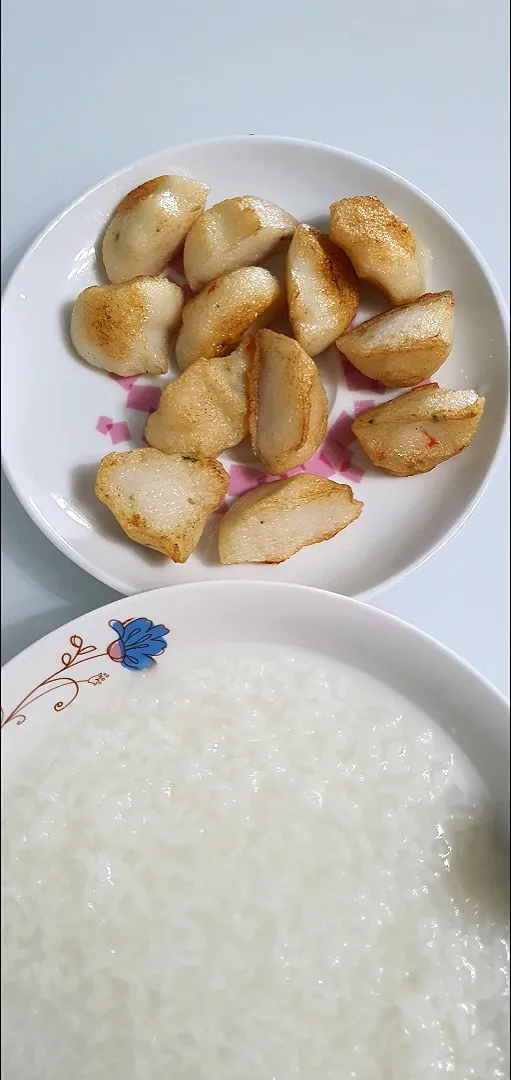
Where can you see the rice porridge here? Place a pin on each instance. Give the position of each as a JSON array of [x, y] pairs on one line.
[[251, 865]]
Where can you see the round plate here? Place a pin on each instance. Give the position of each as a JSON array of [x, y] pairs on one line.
[[75, 661], [59, 416]]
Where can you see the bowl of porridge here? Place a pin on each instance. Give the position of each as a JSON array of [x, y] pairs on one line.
[[252, 830]]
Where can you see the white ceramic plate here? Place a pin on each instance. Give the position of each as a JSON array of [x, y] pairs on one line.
[[46, 679], [59, 416]]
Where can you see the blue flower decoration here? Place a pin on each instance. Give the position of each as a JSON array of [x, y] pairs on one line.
[[138, 642]]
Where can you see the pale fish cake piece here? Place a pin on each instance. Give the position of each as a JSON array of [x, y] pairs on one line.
[[418, 430], [406, 345], [127, 329], [322, 290], [161, 500], [272, 522], [288, 408], [232, 233], [381, 247], [150, 224]]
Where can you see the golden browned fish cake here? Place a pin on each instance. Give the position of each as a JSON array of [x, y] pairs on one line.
[[418, 430]]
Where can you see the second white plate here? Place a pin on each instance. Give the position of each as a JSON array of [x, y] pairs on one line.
[[59, 416]]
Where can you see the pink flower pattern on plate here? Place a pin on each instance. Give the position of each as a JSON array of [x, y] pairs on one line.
[[144, 398], [104, 425], [118, 430], [352, 472], [362, 406], [320, 465], [340, 432], [126, 381], [356, 381], [243, 479]]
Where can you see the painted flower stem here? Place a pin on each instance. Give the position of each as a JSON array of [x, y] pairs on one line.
[[56, 680]]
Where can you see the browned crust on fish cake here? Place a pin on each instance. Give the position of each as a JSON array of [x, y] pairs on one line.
[[109, 322], [140, 193]]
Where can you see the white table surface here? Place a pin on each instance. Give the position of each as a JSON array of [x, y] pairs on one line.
[[420, 88]]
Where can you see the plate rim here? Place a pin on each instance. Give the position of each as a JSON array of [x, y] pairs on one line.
[[182, 148], [324, 596]]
